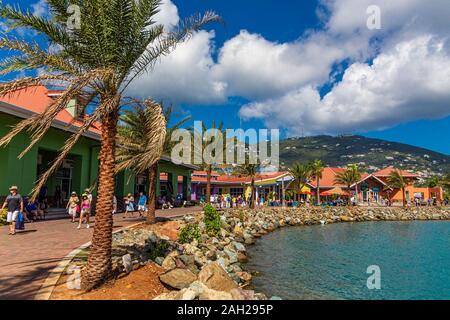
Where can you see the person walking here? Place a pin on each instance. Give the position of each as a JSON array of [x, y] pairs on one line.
[[73, 206], [14, 202], [85, 211], [142, 204], [114, 204], [129, 204]]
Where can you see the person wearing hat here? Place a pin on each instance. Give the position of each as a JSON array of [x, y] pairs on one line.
[[14, 202], [73, 206]]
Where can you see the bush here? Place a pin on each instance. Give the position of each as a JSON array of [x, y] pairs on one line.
[[212, 221], [3, 215], [189, 233]]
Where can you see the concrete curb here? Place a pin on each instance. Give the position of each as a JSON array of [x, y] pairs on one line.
[[54, 275]]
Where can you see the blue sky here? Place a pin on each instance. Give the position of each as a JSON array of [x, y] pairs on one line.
[[312, 67]]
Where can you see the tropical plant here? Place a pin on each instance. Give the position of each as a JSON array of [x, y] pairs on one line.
[[143, 137], [116, 41], [301, 172], [349, 177], [250, 171], [433, 182], [212, 220], [317, 171], [397, 181], [189, 233], [200, 143], [140, 140]]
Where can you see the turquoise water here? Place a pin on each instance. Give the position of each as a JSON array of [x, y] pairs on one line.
[[330, 262]]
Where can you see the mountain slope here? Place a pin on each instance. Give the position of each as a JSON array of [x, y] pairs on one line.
[[373, 154]]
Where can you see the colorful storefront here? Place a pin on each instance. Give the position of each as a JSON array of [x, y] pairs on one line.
[[80, 169]]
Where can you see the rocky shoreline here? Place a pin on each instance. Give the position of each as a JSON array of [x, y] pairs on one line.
[[212, 268]]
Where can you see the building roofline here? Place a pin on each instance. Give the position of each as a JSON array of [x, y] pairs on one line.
[[23, 113]]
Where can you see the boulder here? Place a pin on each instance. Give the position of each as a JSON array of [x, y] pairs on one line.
[[178, 278], [240, 294], [169, 263], [239, 247], [213, 295], [127, 263], [216, 278], [244, 276]]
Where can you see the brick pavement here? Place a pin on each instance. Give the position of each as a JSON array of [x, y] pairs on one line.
[[27, 257]]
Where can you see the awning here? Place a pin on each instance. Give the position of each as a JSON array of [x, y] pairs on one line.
[[335, 192]]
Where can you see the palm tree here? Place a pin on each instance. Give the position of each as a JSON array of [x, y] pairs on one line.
[[349, 177], [301, 172], [140, 140], [317, 171], [117, 41], [206, 165], [141, 145], [250, 171], [397, 181]]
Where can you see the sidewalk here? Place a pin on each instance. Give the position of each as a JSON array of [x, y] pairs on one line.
[[27, 257]]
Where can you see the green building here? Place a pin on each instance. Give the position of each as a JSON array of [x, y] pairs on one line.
[[80, 168]]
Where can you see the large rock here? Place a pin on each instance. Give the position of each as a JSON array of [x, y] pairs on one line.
[[169, 263], [213, 295], [216, 278], [240, 294], [127, 263], [178, 278]]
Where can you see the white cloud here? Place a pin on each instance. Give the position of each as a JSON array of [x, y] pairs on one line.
[[408, 80], [40, 8], [168, 15], [184, 76], [403, 84], [256, 68]]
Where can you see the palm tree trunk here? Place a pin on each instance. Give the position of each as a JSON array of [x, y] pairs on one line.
[[99, 266], [208, 183], [152, 172], [318, 191], [404, 197], [253, 194]]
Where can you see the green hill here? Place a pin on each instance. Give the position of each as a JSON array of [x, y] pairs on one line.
[[373, 154]]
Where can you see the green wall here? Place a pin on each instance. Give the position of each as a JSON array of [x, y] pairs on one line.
[[23, 172]]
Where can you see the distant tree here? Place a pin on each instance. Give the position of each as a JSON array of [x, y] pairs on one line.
[[301, 172], [205, 165], [143, 137], [250, 171], [433, 182], [349, 177], [317, 171], [397, 181]]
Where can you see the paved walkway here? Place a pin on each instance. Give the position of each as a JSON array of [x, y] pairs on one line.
[[27, 258]]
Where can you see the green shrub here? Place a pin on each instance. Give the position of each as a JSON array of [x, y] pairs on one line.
[[212, 221], [3, 215], [160, 249], [189, 233]]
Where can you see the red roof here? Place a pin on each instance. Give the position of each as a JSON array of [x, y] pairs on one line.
[[387, 172], [37, 99], [328, 177]]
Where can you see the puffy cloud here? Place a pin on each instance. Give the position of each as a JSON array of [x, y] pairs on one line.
[[256, 68], [167, 15], [408, 79], [184, 75], [403, 84]]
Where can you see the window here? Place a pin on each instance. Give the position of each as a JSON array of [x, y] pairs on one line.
[[235, 192]]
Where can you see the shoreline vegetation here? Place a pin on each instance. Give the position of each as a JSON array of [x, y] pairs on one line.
[[211, 267]]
